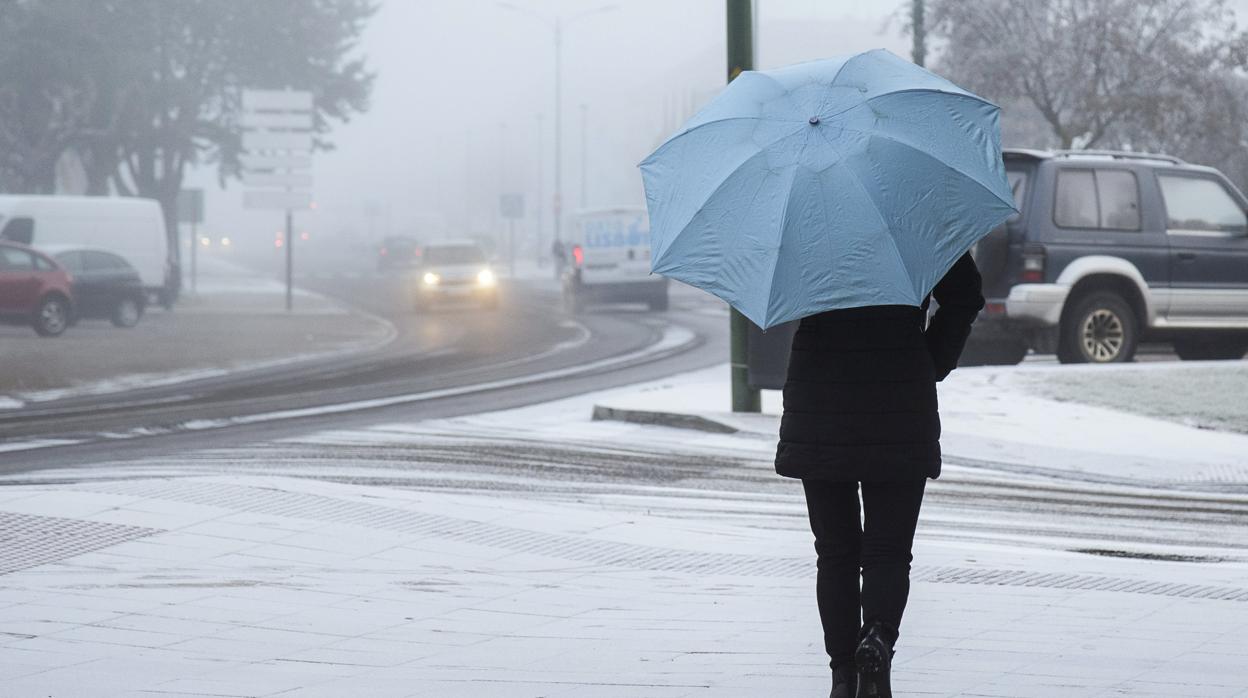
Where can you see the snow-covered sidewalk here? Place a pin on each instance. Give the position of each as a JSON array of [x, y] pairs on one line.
[[250, 586], [1049, 420]]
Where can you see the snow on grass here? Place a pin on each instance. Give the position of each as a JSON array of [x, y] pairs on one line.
[[1205, 395]]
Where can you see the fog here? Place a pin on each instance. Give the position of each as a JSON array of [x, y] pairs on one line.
[[463, 87]]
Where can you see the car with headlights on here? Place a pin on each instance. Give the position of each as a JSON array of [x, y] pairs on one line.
[[455, 272]]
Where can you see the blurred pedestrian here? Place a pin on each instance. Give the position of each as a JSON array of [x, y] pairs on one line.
[[860, 411], [560, 254]]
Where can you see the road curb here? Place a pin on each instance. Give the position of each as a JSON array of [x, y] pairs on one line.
[[675, 420]]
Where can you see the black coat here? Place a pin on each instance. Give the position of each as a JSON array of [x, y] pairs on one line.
[[860, 395]]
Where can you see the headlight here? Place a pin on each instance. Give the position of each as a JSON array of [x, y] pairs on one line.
[[486, 278], [432, 279]]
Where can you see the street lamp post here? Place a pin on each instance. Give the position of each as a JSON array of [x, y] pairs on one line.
[[584, 156], [557, 25], [541, 189]]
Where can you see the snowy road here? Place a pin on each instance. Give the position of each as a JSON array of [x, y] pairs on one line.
[[534, 552]]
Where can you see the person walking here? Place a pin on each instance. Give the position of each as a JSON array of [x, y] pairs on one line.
[[860, 410], [844, 193]]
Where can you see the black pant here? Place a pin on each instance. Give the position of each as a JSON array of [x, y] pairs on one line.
[[880, 549]]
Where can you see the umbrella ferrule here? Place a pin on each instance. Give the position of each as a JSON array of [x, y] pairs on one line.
[[814, 121]]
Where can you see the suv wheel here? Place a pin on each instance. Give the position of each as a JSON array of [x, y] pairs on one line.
[[127, 313], [52, 316], [1204, 348], [1099, 329]]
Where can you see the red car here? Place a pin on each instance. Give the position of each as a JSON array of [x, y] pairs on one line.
[[34, 290]]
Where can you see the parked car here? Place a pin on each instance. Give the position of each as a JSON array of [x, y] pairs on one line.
[[34, 290], [1111, 249], [456, 271], [610, 260], [398, 252], [105, 286], [130, 227]]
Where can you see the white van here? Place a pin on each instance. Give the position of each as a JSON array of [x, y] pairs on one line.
[[609, 260], [129, 227]]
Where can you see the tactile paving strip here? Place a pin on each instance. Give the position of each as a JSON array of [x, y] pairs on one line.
[[1059, 580], [28, 541], [600, 553]]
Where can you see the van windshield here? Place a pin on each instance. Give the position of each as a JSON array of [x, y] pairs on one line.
[[454, 254]]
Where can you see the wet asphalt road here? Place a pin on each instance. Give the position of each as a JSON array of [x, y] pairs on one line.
[[437, 353]]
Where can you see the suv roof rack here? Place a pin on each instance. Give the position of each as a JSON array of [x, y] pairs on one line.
[[1118, 155]]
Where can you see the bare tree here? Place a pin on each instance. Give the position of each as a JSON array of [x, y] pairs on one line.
[[1098, 72], [46, 96]]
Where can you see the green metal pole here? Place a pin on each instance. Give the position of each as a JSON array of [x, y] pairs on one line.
[[918, 27], [741, 58]]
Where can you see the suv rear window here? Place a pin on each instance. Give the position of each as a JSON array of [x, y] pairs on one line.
[[1102, 199], [1018, 185], [1199, 204]]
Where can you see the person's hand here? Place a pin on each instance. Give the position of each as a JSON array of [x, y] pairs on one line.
[[941, 364]]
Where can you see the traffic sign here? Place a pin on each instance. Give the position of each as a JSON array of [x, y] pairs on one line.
[[293, 121], [277, 140], [277, 100], [255, 141], [277, 200], [191, 206], [511, 205], [275, 161], [284, 180]]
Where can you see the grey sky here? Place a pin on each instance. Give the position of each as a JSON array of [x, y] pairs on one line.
[[460, 85]]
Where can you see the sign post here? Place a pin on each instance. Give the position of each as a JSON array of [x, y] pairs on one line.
[[741, 58], [277, 146], [191, 210]]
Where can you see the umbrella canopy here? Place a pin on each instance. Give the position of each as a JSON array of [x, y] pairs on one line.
[[840, 183]]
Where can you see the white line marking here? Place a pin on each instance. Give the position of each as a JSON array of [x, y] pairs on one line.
[[673, 338]]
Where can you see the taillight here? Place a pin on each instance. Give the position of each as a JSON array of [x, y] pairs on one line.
[[1033, 263], [578, 255]]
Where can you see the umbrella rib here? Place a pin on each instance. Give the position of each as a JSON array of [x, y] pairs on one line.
[[761, 151], [951, 168], [931, 90], [713, 122], [784, 216], [832, 83], [887, 228]]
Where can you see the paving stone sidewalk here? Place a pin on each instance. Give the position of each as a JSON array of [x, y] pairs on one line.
[[267, 586]]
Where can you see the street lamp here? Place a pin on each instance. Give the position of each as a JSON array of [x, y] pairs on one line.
[[584, 156], [556, 24]]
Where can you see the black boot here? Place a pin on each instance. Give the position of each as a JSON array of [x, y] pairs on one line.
[[874, 658], [844, 681]]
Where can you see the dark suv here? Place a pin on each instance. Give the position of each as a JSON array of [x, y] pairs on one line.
[[1112, 249]]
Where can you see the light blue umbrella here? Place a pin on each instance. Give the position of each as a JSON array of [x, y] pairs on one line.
[[839, 183]]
